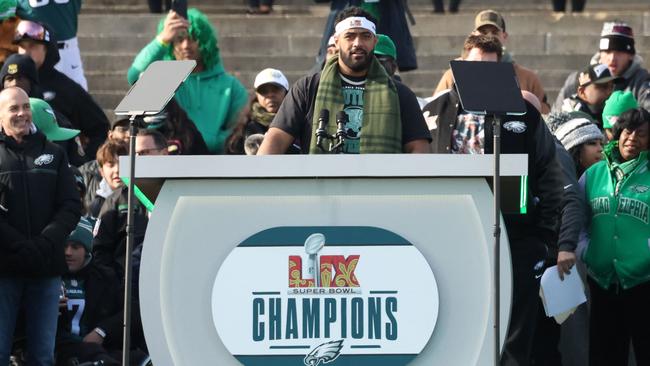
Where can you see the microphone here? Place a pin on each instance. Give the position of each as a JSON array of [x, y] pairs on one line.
[[321, 132], [341, 121]]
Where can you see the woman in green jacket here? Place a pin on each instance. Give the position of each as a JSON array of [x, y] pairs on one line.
[[211, 97], [617, 253]]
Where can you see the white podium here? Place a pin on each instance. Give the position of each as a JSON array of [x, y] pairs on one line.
[[399, 270]]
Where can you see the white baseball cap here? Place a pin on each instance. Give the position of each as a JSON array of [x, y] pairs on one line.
[[271, 76]]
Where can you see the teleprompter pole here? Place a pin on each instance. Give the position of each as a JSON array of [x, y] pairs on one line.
[[130, 234]]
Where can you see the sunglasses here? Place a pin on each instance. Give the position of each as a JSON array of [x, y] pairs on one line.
[[32, 30]]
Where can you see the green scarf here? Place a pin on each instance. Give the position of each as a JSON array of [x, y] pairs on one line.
[[620, 169], [382, 125], [261, 115]]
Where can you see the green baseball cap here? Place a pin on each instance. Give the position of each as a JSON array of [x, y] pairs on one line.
[[45, 121], [385, 46], [615, 105]]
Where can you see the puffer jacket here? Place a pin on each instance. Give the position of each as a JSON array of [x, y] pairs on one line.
[[39, 207]]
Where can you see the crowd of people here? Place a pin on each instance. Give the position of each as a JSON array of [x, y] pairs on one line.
[[63, 204]]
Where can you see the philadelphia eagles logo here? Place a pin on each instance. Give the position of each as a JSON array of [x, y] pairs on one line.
[[515, 126], [326, 352], [44, 159]]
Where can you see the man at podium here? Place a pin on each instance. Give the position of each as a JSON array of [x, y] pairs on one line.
[[381, 115], [532, 228]]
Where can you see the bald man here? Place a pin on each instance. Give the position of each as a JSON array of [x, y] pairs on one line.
[[39, 207]]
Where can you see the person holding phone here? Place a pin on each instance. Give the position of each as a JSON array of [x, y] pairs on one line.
[[211, 97]]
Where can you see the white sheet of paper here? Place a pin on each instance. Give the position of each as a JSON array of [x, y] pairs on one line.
[[561, 296]]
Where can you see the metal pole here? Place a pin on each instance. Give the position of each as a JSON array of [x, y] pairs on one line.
[[130, 233], [496, 184]]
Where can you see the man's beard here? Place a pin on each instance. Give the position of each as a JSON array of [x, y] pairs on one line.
[[356, 66]]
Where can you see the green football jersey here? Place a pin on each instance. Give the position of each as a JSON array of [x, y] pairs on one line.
[[59, 15]]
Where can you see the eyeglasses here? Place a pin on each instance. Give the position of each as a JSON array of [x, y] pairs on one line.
[[32, 30], [152, 151]]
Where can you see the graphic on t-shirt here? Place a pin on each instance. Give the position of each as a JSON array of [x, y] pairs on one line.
[[468, 136], [353, 107]]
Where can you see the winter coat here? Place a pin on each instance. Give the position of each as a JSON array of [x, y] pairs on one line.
[[39, 207]]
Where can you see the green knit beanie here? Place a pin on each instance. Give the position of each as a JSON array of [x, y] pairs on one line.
[[616, 104]]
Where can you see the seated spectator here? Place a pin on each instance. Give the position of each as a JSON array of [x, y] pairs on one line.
[[617, 51], [615, 105], [183, 138], [63, 93], [595, 86], [90, 321], [108, 164], [211, 97], [271, 86]]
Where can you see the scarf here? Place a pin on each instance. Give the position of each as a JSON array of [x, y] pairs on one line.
[[261, 115], [620, 169], [382, 125]]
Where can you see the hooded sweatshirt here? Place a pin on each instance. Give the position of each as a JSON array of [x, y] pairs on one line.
[[211, 98]]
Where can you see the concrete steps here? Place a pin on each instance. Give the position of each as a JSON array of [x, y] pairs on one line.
[[551, 44]]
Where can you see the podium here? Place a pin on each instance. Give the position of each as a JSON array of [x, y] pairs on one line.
[[312, 260]]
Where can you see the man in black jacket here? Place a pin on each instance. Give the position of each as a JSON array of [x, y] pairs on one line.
[[39, 207], [529, 234], [63, 93]]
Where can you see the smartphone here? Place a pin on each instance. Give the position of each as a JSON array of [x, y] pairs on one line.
[[180, 7]]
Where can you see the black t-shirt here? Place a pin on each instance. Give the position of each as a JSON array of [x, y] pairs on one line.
[[297, 111]]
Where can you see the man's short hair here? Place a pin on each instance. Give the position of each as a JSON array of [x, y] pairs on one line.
[[110, 150], [630, 120], [158, 138], [487, 43], [354, 11]]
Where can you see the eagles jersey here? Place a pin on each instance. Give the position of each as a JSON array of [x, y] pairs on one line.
[[76, 293]]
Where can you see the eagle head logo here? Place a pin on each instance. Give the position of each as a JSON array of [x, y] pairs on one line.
[[326, 352]]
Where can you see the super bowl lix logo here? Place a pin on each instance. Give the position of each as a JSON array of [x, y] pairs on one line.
[[310, 296], [314, 287]]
